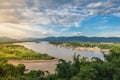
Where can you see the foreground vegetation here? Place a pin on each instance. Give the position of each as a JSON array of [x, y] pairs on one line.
[[86, 44], [10, 51], [78, 69]]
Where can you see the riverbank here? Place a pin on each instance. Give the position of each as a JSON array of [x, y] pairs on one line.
[[44, 65], [19, 52], [86, 48]]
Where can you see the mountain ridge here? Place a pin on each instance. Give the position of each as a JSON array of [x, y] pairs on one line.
[[77, 39], [6, 39]]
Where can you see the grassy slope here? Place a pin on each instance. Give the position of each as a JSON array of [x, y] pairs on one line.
[[11, 51]]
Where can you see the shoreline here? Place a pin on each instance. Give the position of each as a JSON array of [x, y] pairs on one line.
[[31, 61], [85, 48]]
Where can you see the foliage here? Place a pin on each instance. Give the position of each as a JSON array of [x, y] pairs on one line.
[[86, 44], [10, 72], [78, 69], [96, 69], [56, 43]]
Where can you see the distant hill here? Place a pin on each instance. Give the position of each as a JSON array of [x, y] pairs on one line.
[[78, 39], [6, 39]]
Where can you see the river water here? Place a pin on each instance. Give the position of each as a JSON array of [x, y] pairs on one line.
[[59, 52]]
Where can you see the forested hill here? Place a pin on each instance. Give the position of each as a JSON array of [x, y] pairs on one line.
[[6, 39], [78, 39]]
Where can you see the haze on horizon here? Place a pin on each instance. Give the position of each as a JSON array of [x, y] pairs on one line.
[[44, 18]]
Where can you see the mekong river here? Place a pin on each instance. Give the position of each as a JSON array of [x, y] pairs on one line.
[[59, 52]]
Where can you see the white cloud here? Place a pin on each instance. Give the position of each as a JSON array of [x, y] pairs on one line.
[[20, 31], [64, 29], [108, 34], [94, 5], [22, 15], [63, 12], [77, 34], [117, 14]]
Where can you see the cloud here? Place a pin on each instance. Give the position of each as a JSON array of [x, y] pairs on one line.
[[20, 31], [109, 34], [64, 13], [94, 5], [117, 14], [64, 29], [77, 34]]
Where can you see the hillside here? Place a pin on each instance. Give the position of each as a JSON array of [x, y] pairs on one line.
[[78, 39], [6, 39]]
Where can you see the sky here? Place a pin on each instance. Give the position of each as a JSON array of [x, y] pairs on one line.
[[45, 18]]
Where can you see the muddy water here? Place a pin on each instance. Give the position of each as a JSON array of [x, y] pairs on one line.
[[59, 52]]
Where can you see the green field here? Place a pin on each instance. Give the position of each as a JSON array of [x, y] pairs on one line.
[[10, 51]]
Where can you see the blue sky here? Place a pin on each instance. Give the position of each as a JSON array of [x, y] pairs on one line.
[[44, 18]]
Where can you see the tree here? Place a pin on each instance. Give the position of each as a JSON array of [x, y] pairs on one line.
[[20, 68]]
